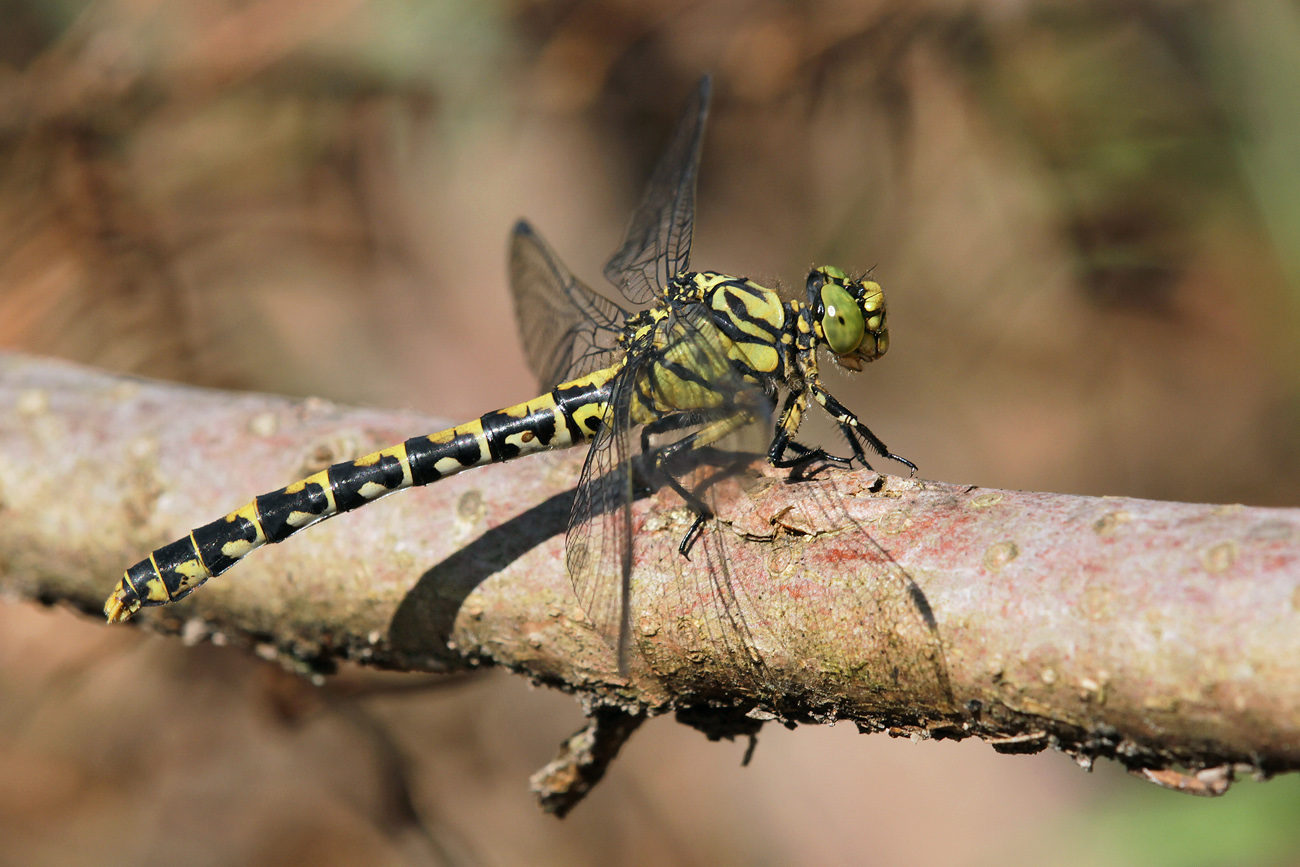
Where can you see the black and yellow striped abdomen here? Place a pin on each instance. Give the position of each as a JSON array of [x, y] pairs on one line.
[[568, 415]]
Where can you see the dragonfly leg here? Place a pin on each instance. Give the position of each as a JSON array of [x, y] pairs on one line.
[[718, 424], [854, 430], [666, 424], [807, 461], [787, 425]]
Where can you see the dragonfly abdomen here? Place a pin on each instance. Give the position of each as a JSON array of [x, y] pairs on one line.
[[568, 415]]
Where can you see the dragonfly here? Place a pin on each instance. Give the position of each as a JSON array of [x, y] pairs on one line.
[[686, 368]]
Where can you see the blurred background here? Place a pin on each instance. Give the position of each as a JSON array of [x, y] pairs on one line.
[[1087, 215]]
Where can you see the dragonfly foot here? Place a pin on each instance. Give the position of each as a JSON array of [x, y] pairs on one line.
[[692, 534], [905, 462]]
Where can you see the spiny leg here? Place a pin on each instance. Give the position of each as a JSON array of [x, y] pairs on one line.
[[853, 428], [658, 455], [788, 424], [718, 424]]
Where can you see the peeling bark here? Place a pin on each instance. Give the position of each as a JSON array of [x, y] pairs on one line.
[[1162, 635]]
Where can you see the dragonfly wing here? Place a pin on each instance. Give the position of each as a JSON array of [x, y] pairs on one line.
[[750, 594], [568, 329], [725, 427], [784, 589], [709, 406], [657, 244], [846, 604], [598, 547]]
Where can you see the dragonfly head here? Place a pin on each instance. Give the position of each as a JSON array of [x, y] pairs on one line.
[[848, 316]]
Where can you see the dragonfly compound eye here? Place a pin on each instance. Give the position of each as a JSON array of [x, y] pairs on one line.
[[872, 304], [842, 320]]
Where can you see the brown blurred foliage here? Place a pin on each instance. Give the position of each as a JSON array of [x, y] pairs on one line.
[[1083, 212]]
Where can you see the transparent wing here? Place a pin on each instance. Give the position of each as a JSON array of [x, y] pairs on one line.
[[657, 244], [728, 440], [800, 590], [712, 422], [568, 329], [598, 547], [781, 578]]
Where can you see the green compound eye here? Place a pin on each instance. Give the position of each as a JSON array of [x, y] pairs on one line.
[[841, 319]]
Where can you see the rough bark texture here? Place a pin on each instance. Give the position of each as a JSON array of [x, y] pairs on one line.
[[1159, 634]]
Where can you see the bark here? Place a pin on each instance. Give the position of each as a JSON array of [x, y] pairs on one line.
[[1162, 635]]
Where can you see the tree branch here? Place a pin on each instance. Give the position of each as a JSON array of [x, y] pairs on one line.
[[1159, 634]]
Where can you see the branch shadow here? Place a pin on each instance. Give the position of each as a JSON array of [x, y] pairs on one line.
[[423, 622]]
